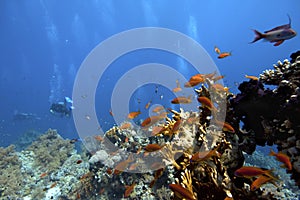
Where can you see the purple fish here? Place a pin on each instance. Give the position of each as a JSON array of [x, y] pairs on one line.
[[277, 34]]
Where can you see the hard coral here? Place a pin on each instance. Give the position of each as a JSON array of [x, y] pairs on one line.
[[273, 115], [11, 179], [50, 151]]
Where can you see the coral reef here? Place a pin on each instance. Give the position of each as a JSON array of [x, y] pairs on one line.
[[176, 154], [272, 116], [11, 179], [45, 151], [197, 159], [31, 175]]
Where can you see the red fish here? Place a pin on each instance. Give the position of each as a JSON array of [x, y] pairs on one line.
[[176, 125], [148, 104], [43, 175], [182, 192], [262, 179], [158, 173], [133, 115], [152, 147], [204, 155], [182, 100], [217, 50], [282, 158], [252, 77], [218, 78], [195, 80], [276, 35], [178, 88], [151, 120], [120, 167], [224, 55], [220, 87], [126, 125], [206, 102], [111, 113], [128, 190], [158, 109], [226, 127], [157, 130], [249, 172], [53, 185]]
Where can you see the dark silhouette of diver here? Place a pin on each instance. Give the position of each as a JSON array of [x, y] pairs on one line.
[[62, 108]]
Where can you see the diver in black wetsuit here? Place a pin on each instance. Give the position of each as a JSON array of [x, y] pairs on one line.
[[62, 108]]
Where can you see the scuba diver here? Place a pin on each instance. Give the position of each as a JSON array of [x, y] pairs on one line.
[[21, 116], [63, 108]]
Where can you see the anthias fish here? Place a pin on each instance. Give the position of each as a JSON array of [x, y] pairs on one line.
[[276, 35], [133, 115], [249, 172], [262, 179], [182, 100], [252, 77], [206, 102], [182, 192], [282, 158], [217, 50], [224, 55]]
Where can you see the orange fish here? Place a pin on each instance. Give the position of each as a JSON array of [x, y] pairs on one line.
[[123, 165], [152, 147], [249, 172], [262, 179], [98, 138], [219, 87], [224, 55], [101, 191], [43, 175], [182, 100], [109, 171], [133, 115], [148, 104], [158, 173], [204, 155], [125, 125], [178, 88], [53, 185], [157, 165], [252, 77], [111, 113], [206, 102], [151, 120], [182, 192], [195, 80], [282, 158], [158, 109], [226, 127], [176, 125], [217, 50], [157, 130], [192, 120], [128, 190], [210, 75], [218, 78], [133, 166]]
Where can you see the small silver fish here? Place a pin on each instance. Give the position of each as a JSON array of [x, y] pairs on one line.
[[277, 34]]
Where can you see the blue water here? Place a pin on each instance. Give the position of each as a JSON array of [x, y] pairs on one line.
[[43, 43]]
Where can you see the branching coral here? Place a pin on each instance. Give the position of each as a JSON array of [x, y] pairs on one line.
[[273, 115]]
